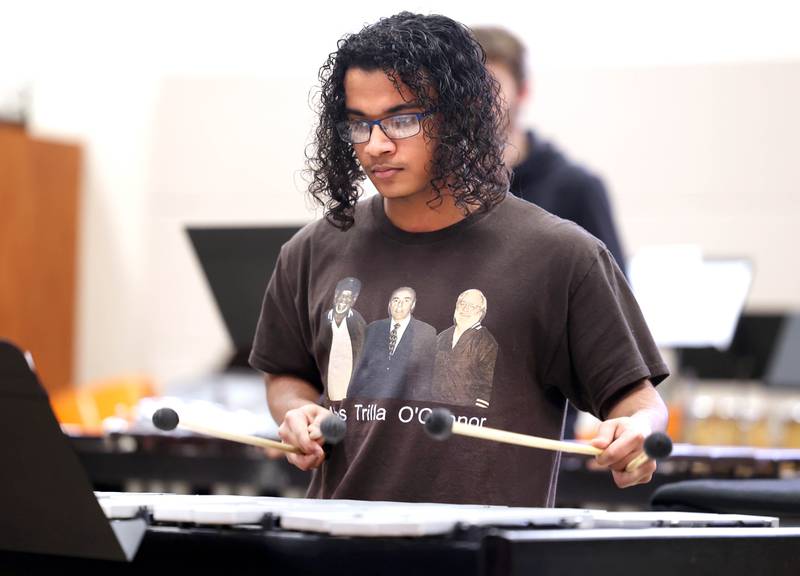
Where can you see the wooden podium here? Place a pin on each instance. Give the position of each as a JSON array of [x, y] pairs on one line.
[[39, 182]]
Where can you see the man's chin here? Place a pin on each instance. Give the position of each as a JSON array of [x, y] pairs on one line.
[[393, 190]]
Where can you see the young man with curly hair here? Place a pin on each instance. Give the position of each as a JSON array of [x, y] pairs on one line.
[[408, 103]]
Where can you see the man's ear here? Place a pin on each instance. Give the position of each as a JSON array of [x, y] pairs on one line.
[[525, 93]]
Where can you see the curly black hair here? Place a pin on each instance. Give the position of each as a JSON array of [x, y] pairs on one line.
[[441, 63]]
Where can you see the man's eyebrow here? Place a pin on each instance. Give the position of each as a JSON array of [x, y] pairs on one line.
[[392, 110]]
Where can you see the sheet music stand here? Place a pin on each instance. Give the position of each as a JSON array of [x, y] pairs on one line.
[[687, 300], [46, 500]]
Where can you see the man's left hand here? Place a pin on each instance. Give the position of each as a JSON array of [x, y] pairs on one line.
[[622, 440]]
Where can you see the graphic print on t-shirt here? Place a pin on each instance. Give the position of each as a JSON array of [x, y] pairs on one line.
[[346, 327], [465, 355], [402, 357]]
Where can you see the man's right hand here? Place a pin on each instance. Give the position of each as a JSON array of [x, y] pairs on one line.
[[300, 427]]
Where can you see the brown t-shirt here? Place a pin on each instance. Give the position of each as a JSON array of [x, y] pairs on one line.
[[510, 312]]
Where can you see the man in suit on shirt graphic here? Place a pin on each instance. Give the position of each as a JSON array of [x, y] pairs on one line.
[[397, 357]]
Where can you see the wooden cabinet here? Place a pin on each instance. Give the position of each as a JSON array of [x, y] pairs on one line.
[[39, 183]]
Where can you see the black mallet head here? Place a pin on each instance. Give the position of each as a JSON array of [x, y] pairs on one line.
[[658, 445], [333, 429], [439, 424], [165, 419]]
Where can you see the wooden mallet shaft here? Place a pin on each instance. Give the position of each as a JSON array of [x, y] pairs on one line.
[[523, 439], [241, 438], [636, 462], [332, 429], [441, 424]]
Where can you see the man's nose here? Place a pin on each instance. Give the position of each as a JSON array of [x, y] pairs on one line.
[[379, 143]]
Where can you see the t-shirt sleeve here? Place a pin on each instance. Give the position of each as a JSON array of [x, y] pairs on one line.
[[609, 345], [282, 344]]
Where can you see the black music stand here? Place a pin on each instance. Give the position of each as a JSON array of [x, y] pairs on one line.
[[46, 501], [237, 263]]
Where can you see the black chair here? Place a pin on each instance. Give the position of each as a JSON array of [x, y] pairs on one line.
[[763, 497]]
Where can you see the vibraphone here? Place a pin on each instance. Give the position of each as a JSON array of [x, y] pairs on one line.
[[262, 535], [51, 520]]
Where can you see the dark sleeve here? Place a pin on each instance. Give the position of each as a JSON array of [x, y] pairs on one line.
[[600, 220], [487, 357], [357, 328], [282, 341], [609, 345], [591, 209], [423, 354]]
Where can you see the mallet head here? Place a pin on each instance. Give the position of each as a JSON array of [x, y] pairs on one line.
[[439, 424], [165, 419], [658, 445], [333, 429]]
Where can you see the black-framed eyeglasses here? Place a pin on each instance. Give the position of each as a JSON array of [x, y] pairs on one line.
[[396, 127]]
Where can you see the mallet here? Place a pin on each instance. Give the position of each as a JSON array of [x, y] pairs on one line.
[[333, 430], [440, 424]]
